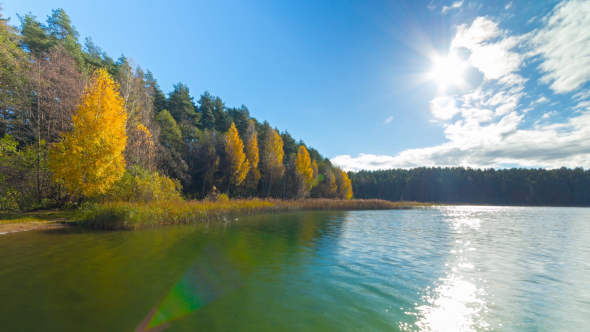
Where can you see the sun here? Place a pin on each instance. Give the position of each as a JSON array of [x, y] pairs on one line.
[[448, 71]]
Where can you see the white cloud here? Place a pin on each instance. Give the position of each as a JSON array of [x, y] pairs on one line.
[[513, 79], [495, 60], [541, 100], [582, 95], [508, 6], [443, 107], [531, 20], [564, 45], [548, 115], [388, 120], [549, 145], [481, 29], [455, 5]]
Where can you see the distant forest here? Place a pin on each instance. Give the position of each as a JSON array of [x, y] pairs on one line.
[[49, 80], [458, 185]]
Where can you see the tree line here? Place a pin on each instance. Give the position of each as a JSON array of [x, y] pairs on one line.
[[75, 124], [459, 185]]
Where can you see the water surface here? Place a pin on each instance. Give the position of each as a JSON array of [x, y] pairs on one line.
[[442, 269]]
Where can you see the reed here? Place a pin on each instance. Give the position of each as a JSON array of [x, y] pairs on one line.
[[126, 215]]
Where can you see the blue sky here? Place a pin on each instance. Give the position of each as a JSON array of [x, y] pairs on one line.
[[373, 84]]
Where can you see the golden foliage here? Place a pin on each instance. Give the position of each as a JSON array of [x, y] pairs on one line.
[[238, 164], [344, 184], [139, 185], [303, 170], [273, 153], [252, 146], [90, 158], [252, 155]]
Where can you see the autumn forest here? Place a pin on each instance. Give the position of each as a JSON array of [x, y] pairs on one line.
[[75, 125]]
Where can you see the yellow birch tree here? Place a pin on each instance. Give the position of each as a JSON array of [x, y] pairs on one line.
[[238, 164], [273, 156], [344, 184], [303, 171], [329, 185], [252, 155], [89, 158]]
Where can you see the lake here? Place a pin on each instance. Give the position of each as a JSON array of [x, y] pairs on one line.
[[463, 268]]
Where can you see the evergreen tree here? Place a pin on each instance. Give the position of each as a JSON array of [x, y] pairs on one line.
[[60, 28], [35, 38], [181, 107], [180, 104], [206, 111], [240, 117], [172, 146], [204, 161], [158, 97], [95, 58], [222, 119]]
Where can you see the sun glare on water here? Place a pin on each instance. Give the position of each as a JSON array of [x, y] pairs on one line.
[[448, 71]]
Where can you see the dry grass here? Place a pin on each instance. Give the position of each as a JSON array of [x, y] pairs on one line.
[[123, 215]]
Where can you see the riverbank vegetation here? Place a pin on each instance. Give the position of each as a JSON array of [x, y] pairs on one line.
[[126, 215]]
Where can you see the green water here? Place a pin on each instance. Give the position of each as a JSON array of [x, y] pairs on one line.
[[447, 269]]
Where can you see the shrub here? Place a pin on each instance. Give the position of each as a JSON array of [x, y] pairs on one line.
[[140, 185], [222, 198]]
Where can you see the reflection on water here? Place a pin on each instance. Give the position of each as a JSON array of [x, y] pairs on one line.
[[489, 283], [443, 269], [457, 303]]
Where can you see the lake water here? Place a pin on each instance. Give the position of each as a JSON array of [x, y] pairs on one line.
[[439, 269]]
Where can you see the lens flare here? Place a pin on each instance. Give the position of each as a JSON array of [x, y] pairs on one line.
[[210, 278]]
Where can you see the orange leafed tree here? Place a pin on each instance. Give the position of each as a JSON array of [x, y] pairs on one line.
[[303, 171], [272, 157], [252, 155], [238, 165], [344, 184], [89, 158]]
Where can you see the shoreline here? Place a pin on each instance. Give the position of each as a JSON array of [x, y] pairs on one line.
[[125, 215], [17, 227]]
